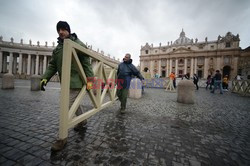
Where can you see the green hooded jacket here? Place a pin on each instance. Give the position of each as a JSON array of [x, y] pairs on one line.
[[55, 64]]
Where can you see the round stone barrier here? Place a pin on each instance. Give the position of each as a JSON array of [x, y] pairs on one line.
[[135, 89], [35, 82], [8, 81], [185, 92]]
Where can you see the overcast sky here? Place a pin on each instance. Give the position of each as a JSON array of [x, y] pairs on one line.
[[121, 26]]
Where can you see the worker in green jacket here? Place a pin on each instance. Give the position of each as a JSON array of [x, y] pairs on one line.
[[76, 83]]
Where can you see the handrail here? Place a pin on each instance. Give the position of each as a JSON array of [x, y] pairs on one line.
[[67, 115]]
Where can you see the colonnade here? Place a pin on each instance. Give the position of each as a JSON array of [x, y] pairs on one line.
[[23, 63]]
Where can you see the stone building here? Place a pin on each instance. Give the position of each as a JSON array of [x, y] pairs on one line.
[[186, 55], [244, 63], [24, 60]]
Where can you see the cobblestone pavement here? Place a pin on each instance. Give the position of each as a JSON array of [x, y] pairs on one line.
[[156, 130]]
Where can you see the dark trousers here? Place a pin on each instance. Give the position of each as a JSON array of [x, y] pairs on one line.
[[210, 86], [224, 85], [122, 96], [196, 84]]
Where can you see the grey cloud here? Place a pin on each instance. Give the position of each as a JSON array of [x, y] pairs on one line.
[[120, 26]]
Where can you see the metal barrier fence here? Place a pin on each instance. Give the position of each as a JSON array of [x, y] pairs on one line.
[[162, 82], [67, 114], [241, 87]]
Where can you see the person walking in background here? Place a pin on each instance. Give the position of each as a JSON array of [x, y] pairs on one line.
[[124, 74], [209, 82], [76, 83], [196, 80], [172, 77], [217, 82]]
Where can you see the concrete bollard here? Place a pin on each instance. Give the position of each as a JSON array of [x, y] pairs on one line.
[[185, 92], [8, 81], [135, 89], [35, 82]]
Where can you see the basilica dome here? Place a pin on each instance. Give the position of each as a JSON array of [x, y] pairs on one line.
[[182, 39]]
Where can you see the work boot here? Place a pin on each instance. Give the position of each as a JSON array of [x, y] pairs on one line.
[[59, 145], [80, 125]]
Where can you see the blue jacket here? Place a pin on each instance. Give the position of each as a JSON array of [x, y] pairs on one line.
[[125, 72]]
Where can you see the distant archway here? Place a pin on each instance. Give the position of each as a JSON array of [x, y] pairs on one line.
[[226, 71], [145, 69]]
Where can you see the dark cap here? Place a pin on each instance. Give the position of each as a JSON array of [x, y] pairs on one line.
[[63, 25]]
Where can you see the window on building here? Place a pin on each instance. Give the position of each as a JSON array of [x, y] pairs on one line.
[[163, 73], [163, 63], [146, 51], [228, 44], [212, 47], [189, 48], [200, 74], [180, 73], [200, 60], [226, 60], [173, 49], [155, 51]]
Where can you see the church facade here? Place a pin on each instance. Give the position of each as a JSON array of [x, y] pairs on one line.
[[187, 56]]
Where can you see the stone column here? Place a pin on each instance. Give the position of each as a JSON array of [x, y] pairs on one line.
[[4, 63], [192, 67], [235, 67], [195, 65], [218, 63], [33, 65], [14, 63], [176, 67], [1, 61], [11, 63], [170, 66], [24, 65], [20, 64], [40, 70], [221, 63], [44, 63], [167, 71], [152, 68], [185, 66], [205, 67], [159, 68], [37, 64], [142, 66], [29, 64]]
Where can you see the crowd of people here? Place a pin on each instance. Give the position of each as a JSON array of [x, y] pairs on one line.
[[214, 82]]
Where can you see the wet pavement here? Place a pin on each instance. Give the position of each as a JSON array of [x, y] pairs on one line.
[[156, 130]]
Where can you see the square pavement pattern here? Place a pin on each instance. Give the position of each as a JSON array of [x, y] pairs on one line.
[[156, 130]]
